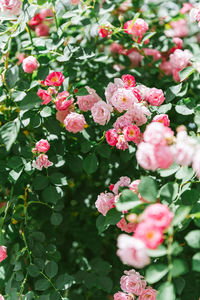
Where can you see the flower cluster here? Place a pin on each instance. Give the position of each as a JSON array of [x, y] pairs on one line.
[[41, 161], [136, 28], [134, 285], [41, 22]]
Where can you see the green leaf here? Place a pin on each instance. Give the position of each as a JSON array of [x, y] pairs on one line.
[[105, 283], [82, 92], [180, 215], [100, 224], [51, 269], [104, 150], [128, 196], [179, 285], [193, 239], [51, 194], [148, 189], [12, 76], [90, 163], [160, 251], [8, 133], [64, 281], [196, 262], [185, 73], [33, 270], [168, 192], [172, 92], [100, 266], [179, 267], [14, 175], [42, 285], [40, 182], [155, 272], [184, 110], [58, 179], [56, 219], [163, 109], [168, 172], [45, 112], [112, 217], [166, 292], [29, 101]]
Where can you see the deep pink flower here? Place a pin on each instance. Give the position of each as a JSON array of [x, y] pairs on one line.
[[55, 79], [30, 64], [36, 20], [149, 234], [44, 95], [159, 214], [61, 115], [61, 101], [42, 146], [132, 133], [162, 118], [124, 226], [137, 28], [105, 202], [128, 80], [42, 30], [3, 253], [47, 15], [156, 97], [111, 137]]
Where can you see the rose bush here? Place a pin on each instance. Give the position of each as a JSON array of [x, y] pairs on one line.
[[99, 150]]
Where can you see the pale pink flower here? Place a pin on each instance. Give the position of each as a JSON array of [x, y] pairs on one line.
[[133, 283], [148, 294], [2, 297], [123, 181], [159, 214], [134, 188], [101, 112], [42, 146], [138, 113], [123, 296], [10, 7], [61, 115], [105, 201], [124, 226], [3, 253], [180, 59], [186, 8], [137, 28], [30, 64], [178, 42], [42, 30], [111, 137], [123, 99], [116, 48], [46, 14], [135, 57], [44, 95], [195, 15], [166, 67], [156, 133], [61, 101], [20, 57], [112, 88], [75, 2], [86, 102], [164, 156], [162, 118], [126, 5], [132, 133], [152, 52], [156, 97], [179, 28], [41, 161], [144, 91], [122, 121], [196, 163], [132, 251], [146, 156], [149, 234], [74, 122]]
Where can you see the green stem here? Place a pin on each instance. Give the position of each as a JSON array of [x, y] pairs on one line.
[[39, 202], [5, 214], [54, 11], [169, 257], [26, 246], [30, 35], [51, 283]]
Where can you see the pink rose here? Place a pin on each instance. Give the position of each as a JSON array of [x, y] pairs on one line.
[[123, 296], [123, 99], [164, 156], [42, 30], [196, 163], [166, 67], [163, 118], [122, 143], [3, 253], [158, 134], [105, 202], [54, 79], [122, 121], [134, 188], [86, 102], [112, 88], [41, 161], [137, 28], [148, 294], [124, 226], [2, 297], [111, 137], [179, 28], [146, 156], [101, 112], [123, 181], [159, 214], [42, 146], [61, 101], [153, 52], [132, 133], [186, 8], [75, 2], [61, 115], [30, 64], [149, 234], [138, 113], [44, 95], [156, 97], [74, 122], [10, 7], [184, 149], [128, 80], [180, 59], [133, 283], [46, 14], [132, 251]]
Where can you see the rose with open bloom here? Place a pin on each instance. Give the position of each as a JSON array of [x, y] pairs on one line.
[[124, 226], [133, 283], [105, 201], [123, 99], [42, 146], [44, 95], [162, 118], [137, 28], [42, 30], [122, 143], [159, 214], [149, 234], [132, 251], [164, 156], [123, 296], [61, 101], [129, 81], [123, 181], [2, 297], [156, 97], [86, 102], [180, 59], [61, 115], [101, 112], [10, 7], [148, 294], [156, 133], [3, 253], [74, 122], [41, 161], [146, 156], [132, 133], [111, 137], [54, 79], [30, 64]]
